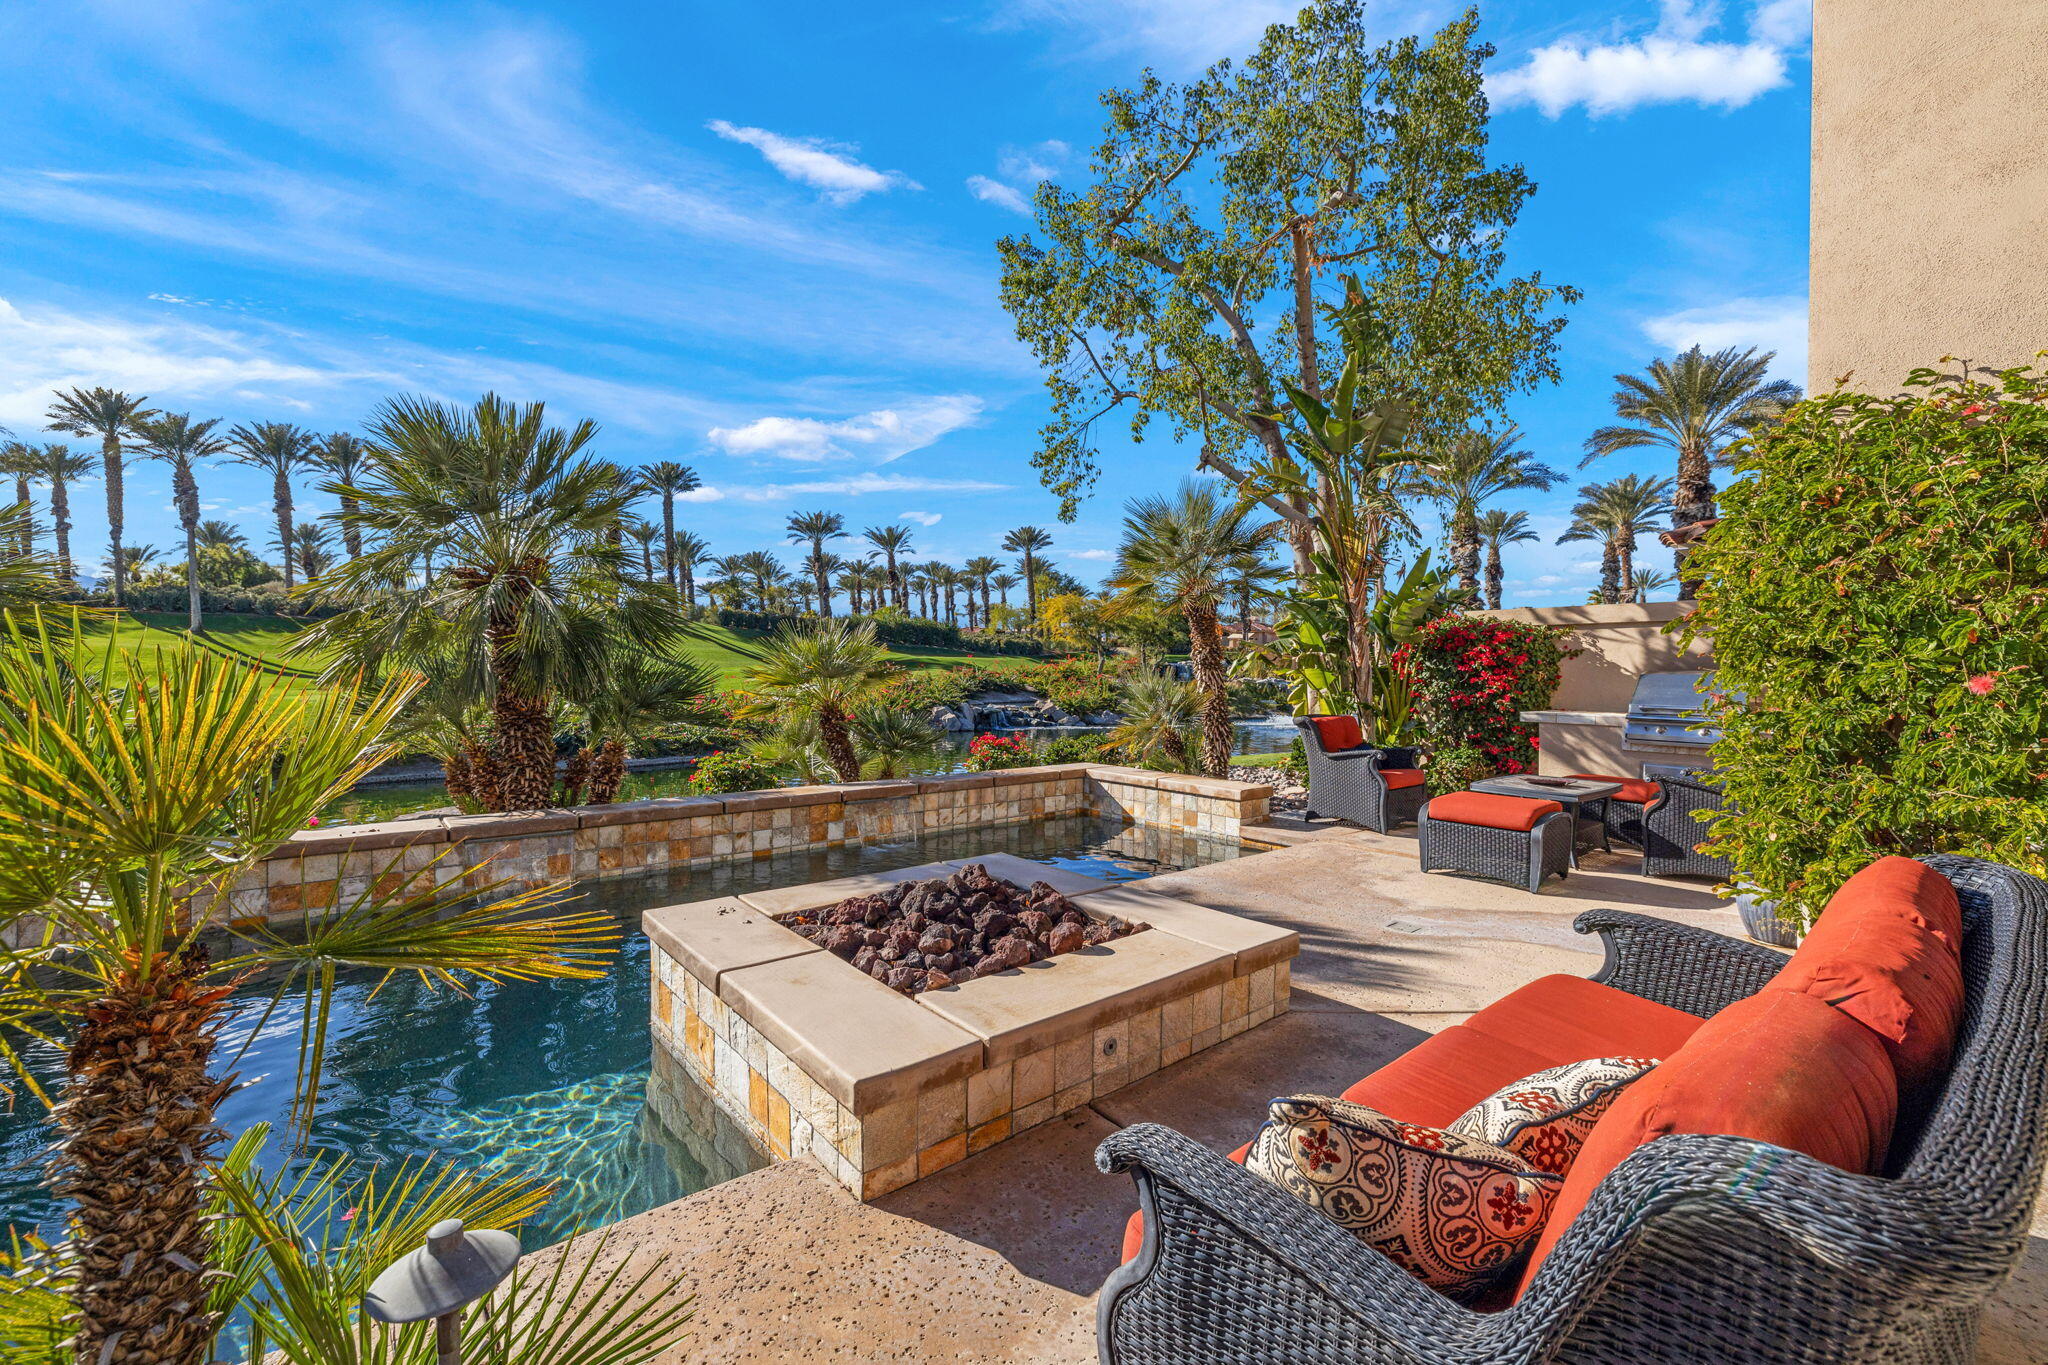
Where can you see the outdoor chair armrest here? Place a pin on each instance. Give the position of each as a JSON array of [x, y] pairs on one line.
[[1210, 1223], [1341, 755], [1695, 970], [1399, 757]]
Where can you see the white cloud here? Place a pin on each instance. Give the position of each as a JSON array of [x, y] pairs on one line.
[[996, 192], [882, 435], [703, 493], [921, 518], [823, 165], [1180, 33], [1673, 64], [1092, 554], [1029, 165], [866, 482], [1776, 323]]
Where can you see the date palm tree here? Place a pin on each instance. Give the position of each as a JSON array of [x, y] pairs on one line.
[[110, 415], [60, 468], [687, 551], [312, 549], [824, 570], [1027, 542], [948, 581], [280, 450], [1643, 582], [222, 535], [1496, 529], [180, 442], [531, 595], [136, 561], [819, 671], [759, 573], [340, 456], [983, 569], [891, 541], [816, 528], [1615, 514], [1003, 583], [1695, 405], [128, 816], [644, 534], [637, 699], [1179, 552], [1474, 469], [19, 461], [671, 480]]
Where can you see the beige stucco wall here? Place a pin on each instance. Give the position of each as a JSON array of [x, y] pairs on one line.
[[1620, 643], [1930, 187]]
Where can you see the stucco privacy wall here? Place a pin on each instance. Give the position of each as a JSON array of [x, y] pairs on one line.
[[1930, 192], [1621, 642], [320, 869]]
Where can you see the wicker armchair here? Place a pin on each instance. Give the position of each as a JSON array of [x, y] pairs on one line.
[[1670, 835], [1705, 1250], [1347, 785]]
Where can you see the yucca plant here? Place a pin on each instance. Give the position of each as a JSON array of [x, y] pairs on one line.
[[125, 815]]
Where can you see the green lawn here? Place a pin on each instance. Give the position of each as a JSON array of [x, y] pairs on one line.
[[725, 652]]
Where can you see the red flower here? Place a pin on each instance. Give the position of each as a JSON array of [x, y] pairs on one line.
[[1983, 684]]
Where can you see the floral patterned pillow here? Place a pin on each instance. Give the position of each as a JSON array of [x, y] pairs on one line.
[[1545, 1118], [1453, 1211]]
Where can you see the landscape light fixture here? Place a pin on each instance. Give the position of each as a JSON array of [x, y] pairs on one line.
[[453, 1270]]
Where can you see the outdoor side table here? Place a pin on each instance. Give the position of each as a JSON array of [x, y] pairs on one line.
[[1583, 798]]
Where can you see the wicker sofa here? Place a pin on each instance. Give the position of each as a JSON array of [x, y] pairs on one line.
[[1354, 783], [1693, 1249]]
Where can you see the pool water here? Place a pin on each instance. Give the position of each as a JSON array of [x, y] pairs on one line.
[[549, 1079]]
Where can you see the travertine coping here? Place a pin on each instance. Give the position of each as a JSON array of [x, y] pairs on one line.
[[1249, 943]]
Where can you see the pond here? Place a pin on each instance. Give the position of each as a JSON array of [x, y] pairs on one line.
[[550, 1078]]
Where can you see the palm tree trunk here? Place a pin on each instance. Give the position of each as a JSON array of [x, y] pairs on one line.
[[28, 513], [1692, 501], [137, 1129], [838, 739], [824, 584], [525, 733], [1205, 643], [1030, 590], [185, 492], [689, 573], [1610, 573], [607, 773], [281, 498], [351, 534], [110, 459], [1464, 537], [60, 516], [1493, 577], [668, 538], [1625, 568], [987, 615]]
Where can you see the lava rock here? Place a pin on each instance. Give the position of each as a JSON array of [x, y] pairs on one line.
[[866, 959], [935, 979], [843, 939], [1065, 937], [937, 939], [1035, 923], [905, 979]]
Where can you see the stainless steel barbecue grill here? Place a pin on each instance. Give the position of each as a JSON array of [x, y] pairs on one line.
[[1668, 710]]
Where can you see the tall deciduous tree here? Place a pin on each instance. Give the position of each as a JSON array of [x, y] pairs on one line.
[[1183, 284], [671, 480], [815, 528], [111, 416], [1695, 406], [179, 442], [280, 450]]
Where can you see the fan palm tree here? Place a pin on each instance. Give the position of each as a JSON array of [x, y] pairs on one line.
[[819, 671], [891, 541], [111, 416], [340, 456], [60, 468], [125, 811], [1180, 552], [1614, 514], [1695, 406], [1027, 541], [983, 569], [1474, 469], [640, 696], [179, 442], [670, 479], [893, 743], [644, 534], [280, 449], [1497, 528], [816, 528], [533, 597], [21, 462], [686, 552], [1159, 716]]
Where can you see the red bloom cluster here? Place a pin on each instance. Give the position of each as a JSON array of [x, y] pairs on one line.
[[990, 752], [1472, 678]]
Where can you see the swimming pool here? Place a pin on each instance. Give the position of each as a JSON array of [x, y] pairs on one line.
[[549, 1079]]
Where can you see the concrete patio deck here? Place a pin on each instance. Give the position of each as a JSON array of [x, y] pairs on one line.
[[998, 1258]]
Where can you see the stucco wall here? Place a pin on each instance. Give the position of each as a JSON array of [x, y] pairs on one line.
[[1621, 643], [1930, 189]]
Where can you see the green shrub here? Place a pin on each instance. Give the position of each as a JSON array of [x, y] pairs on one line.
[[731, 772], [1878, 588], [1473, 677], [1069, 749], [897, 630], [1456, 768]]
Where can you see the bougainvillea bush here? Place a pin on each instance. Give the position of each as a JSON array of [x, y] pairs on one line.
[[1878, 588], [989, 753], [1472, 677]]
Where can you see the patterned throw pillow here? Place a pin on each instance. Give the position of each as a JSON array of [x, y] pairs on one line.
[[1450, 1210], [1545, 1118]]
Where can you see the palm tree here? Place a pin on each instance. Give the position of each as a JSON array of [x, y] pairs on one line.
[[644, 534], [135, 561], [1694, 406], [126, 810], [340, 455], [1476, 468], [1643, 582], [1004, 582], [823, 569], [1497, 528], [280, 449], [686, 551], [934, 571], [891, 541], [948, 579], [817, 528], [179, 441], [21, 461], [111, 416], [893, 743], [639, 697], [819, 671], [670, 479], [982, 569], [312, 549], [533, 597], [849, 582], [1180, 552], [222, 535], [759, 572], [1614, 514], [1158, 714], [59, 467], [1027, 541]]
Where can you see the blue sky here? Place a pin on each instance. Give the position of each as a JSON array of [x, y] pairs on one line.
[[761, 241]]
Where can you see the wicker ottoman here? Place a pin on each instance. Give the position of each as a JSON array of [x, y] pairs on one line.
[[1627, 807], [1505, 838]]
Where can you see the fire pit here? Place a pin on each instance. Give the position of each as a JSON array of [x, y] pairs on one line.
[[884, 1077]]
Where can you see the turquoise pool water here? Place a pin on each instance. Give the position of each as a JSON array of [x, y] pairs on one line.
[[549, 1079]]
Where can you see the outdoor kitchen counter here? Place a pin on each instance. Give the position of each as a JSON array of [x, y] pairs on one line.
[[1580, 742]]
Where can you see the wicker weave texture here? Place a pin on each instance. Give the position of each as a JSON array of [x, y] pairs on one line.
[[1347, 785], [1670, 833], [1522, 858]]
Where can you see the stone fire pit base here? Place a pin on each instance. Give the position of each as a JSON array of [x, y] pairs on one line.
[[814, 1058]]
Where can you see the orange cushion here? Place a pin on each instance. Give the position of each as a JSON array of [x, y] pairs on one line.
[[1338, 732], [1568, 1019], [1884, 952], [1447, 1073], [1778, 1067], [1397, 778], [1635, 790], [1495, 812]]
